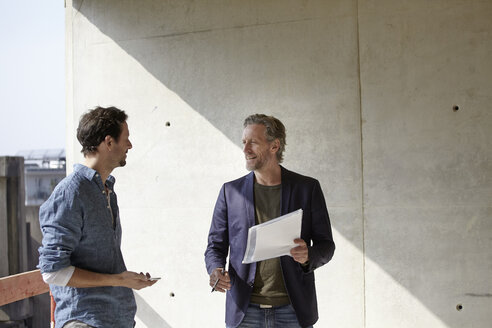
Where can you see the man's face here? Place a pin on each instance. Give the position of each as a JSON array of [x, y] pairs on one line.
[[256, 148], [121, 147]]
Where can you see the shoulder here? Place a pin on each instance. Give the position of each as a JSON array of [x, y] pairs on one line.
[[70, 185], [297, 178], [239, 181], [238, 187], [66, 190]]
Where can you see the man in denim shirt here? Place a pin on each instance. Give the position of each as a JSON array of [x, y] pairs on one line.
[[81, 257]]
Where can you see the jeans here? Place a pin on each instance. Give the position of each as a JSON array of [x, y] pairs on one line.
[[275, 317], [76, 324], [79, 324]]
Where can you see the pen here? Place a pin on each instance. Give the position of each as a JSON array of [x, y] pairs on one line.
[[217, 281]]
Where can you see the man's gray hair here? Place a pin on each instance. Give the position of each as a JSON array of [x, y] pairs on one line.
[[274, 130]]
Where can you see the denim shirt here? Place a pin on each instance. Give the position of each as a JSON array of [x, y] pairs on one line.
[[78, 230]]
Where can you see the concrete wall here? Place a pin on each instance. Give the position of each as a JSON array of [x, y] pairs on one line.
[[366, 90], [427, 167]]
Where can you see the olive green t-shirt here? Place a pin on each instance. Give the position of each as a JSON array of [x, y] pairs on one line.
[[269, 285]]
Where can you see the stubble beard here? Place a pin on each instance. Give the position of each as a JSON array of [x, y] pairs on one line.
[[123, 161], [254, 166]]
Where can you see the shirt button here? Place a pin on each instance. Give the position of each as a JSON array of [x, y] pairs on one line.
[[104, 192], [107, 206]]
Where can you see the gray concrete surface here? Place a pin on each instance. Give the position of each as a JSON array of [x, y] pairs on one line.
[[366, 90], [427, 167]]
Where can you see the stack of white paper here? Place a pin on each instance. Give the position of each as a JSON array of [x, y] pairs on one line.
[[273, 238]]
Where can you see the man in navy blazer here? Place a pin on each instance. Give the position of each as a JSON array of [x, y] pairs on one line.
[[278, 292]]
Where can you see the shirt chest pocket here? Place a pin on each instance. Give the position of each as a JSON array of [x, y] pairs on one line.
[[100, 245]]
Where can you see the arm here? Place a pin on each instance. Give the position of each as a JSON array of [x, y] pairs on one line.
[[61, 223], [76, 277], [323, 248], [83, 279], [218, 244]]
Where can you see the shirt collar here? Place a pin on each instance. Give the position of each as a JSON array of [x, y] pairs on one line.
[[91, 174]]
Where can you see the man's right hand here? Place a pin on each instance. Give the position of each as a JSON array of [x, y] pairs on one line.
[[224, 281], [134, 280]]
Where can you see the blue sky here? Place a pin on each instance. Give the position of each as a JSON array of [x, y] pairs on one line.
[[32, 75]]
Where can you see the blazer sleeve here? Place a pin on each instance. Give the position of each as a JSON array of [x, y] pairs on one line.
[[322, 249], [218, 236]]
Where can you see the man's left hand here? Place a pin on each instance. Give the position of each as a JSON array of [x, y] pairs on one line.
[[300, 253]]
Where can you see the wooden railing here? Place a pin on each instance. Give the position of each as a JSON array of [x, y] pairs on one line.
[[20, 286]]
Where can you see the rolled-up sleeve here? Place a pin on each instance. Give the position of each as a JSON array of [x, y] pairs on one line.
[[61, 222]]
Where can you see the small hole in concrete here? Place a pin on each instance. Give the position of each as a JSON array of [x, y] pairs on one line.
[[168, 123], [456, 108], [459, 307], [171, 294]]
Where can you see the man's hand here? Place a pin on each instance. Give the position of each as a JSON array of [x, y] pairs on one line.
[[134, 280], [300, 253], [222, 278]]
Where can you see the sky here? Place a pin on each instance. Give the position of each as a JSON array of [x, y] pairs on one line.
[[32, 75]]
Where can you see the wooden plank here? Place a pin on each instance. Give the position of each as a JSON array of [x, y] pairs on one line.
[[20, 286]]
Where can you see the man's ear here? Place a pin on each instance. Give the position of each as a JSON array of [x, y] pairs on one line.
[[275, 145], [108, 141]]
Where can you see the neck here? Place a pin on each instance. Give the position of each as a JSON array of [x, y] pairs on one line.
[[94, 162], [270, 176]]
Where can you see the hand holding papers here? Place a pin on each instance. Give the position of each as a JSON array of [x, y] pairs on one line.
[[273, 238]]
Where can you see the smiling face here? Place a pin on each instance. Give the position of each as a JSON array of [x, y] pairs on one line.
[[258, 151], [122, 146]]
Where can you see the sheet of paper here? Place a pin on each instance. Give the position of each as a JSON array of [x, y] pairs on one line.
[[273, 238]]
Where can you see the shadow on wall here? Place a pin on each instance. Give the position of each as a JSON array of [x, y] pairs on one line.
[[227, 65], [148, 315], [226, 69], [227, 62]]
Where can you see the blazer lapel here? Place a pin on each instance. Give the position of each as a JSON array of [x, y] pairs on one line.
[[249, 199], [284, 203], [249, 204]]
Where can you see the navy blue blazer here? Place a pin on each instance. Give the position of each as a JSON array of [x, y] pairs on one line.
[[234, 214]]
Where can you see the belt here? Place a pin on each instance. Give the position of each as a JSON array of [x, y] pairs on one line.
[[265, 306]]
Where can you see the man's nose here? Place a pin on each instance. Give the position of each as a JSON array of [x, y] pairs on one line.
[[130, 146]]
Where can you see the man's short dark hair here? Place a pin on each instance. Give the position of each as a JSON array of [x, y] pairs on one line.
[[274, 130], [98, 123]]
